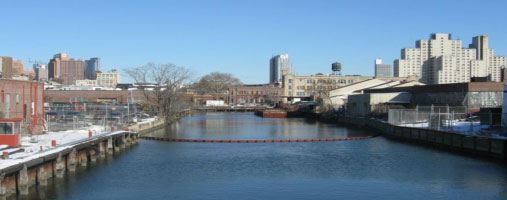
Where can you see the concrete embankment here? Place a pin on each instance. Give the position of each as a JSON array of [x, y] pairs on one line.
[[18, 175], [142, 128], [476, 145]]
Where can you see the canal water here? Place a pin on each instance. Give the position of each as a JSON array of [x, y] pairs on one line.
[[377, 168]]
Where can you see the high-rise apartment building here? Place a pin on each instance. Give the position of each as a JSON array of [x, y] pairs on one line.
[[279, 65], [55, 65], [443, 60], [91, 66], [6, 69], [383, 70], [17, 66], [9, 67], [66, 69]]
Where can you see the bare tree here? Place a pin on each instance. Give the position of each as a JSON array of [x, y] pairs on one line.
[[216, 83], [162, 84], [322, 89]]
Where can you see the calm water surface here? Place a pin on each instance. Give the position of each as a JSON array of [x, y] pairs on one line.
[[376, 168]]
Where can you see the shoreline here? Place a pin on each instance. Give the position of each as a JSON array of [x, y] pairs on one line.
[[471, 145]]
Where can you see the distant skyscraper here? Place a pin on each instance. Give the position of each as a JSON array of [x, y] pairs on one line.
[[279, 65], [383, 70], [9, 67], [91, 67], [17, 66], [66, 69], [6, 67], [41, 72], [55, 65], [442, 60]]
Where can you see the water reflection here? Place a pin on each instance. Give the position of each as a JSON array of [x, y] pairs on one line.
[[375, 168], [249, 126]]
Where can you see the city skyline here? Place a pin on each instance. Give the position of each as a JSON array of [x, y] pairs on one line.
[[212, 40]]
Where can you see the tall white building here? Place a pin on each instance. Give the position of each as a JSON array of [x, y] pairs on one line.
[[383, 70], [443, 60], [279, 65]]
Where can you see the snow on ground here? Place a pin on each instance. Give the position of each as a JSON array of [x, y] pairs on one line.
[[147, 120], [64, 139], [60, 147], [33, 144]]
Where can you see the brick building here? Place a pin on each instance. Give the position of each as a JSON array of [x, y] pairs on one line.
[[17, 67], [260, 94], [66, 69], [6, 69], [23, 100], [94, 96]]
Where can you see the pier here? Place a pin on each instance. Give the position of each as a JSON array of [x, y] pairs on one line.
[[18, 175]]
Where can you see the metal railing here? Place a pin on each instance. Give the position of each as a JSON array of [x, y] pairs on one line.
[[437, 118]]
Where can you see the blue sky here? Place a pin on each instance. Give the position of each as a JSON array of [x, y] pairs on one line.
[[239, 37]]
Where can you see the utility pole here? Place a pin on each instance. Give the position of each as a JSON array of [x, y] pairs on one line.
[[105, 117]]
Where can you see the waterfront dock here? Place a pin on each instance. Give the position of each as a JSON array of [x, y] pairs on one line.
[[18, 175]]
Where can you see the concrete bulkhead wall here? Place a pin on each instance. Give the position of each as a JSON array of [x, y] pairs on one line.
[[16, 180], [482, 146]]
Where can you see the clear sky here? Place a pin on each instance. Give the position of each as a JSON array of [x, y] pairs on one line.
[[239, 37]]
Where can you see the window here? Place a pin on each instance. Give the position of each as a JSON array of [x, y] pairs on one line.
[[6, 128]]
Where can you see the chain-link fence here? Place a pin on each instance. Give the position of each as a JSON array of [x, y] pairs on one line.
[[442, 118], [76, 116]]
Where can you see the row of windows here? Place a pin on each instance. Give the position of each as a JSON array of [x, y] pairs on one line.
[[257, 92]]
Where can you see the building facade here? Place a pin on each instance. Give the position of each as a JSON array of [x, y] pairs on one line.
[[23, 100], [95, 96], [258, 94], [54, 65], [383, 70], [442, 60], [17, 66], [472, 95], [109, 79], [306, 86], [6, 70], [65, 69], [279, 65], [41, 72], [91, 66], [71, 70]]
